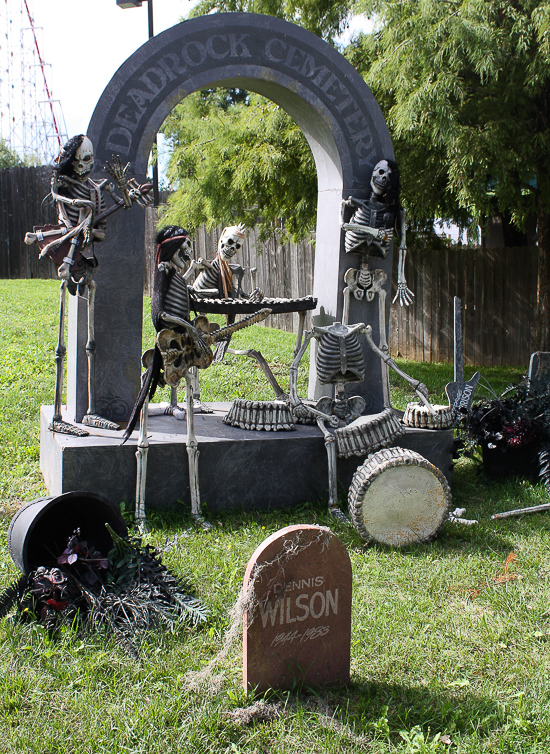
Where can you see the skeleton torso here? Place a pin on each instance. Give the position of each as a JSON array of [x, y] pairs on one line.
[[209, 280], [70, 216], [373, 214], [170, 297], [72, 189]]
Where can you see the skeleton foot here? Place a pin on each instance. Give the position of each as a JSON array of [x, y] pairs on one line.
[[94, 420], [201, 408], [202, 522], [339, 515], [142, 527], [63, 428]]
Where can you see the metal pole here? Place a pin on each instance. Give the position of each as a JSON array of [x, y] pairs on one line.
[[155, 167], [459, 343]]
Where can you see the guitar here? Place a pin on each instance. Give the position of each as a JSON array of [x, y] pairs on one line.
[[43, 235]]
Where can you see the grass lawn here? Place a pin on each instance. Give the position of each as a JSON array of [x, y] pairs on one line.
[[445, 655]]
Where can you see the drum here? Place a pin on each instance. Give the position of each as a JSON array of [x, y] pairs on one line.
[[269, 416], [397, 497], [368, 433], [418, 415]]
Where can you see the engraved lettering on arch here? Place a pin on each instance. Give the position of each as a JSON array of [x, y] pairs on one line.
[[119, 140], [218, 49], [194, 53]]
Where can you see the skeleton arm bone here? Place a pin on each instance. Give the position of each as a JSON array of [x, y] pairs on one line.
[[419, 388], [404, 294], [351, 201], [197, 265]]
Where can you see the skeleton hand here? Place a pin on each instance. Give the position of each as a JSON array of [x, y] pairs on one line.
[[64, 271], [118, 171], [404, 295], [256, 296]]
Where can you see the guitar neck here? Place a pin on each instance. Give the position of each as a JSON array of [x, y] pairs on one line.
[[144, 190], [106, 212]]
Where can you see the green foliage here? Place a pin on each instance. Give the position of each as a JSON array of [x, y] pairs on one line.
[[444, 657], [8, 158], [465, 87], [239, 161], [326, 18]]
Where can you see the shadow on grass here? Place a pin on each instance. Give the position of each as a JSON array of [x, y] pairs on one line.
[[405, 707]]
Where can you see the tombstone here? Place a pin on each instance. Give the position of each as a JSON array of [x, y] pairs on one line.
[[325, 96], [538, 376], [297, 628]]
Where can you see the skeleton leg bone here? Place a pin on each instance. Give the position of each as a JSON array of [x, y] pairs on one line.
[[251, 353], [330, 445], [57, 424], [193, 458], [92, 419], [141, 476]]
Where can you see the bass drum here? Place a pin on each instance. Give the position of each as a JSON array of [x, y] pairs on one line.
[[397, 497]]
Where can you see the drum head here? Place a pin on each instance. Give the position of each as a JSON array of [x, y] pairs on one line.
[[397, 498]]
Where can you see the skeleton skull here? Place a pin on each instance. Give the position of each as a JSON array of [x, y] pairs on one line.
[[381, 177], [83, 161], [183, 255], [231, 240]]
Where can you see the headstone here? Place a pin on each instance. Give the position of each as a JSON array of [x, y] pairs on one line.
[[539, 371], [331, 104], [297, 628]]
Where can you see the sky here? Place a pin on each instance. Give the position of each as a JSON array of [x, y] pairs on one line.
[[84, 42]]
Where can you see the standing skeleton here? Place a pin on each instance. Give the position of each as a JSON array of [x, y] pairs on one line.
[[80, 203], [181, 345], [370, 231]]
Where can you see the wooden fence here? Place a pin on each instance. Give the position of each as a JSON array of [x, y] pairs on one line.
[[21, 193], [498, 286]]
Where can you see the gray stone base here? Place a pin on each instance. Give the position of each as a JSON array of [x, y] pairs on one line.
[[237, 468]]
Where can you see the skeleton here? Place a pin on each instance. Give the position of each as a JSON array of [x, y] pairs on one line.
[[370, 231], [339, 361], [216, 280], [80, 203], [181, 345]]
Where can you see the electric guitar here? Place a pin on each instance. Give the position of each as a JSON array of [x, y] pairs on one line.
[[44, 235]]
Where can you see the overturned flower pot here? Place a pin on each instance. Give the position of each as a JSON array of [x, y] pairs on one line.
[[39, 531]]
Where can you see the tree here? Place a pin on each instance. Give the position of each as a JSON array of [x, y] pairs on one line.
[[239, 159], [8, 158], [326, 18], [465, 87]]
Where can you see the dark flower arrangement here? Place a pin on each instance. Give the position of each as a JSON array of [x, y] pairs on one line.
[[517, 420], [129, 591]]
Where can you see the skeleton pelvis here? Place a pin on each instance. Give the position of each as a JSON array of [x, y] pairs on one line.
[[180, 352]]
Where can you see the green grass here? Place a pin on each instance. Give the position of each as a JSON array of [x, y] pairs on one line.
[[439, 647]]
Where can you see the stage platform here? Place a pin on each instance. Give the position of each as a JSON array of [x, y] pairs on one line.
[[237, 468]]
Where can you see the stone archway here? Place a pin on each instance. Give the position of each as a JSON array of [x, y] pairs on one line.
[[320, 90]]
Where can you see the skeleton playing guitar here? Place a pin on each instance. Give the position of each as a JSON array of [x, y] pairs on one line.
[[50, 238]]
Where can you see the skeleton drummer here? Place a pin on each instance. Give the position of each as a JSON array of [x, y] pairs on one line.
[[81, 209]]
